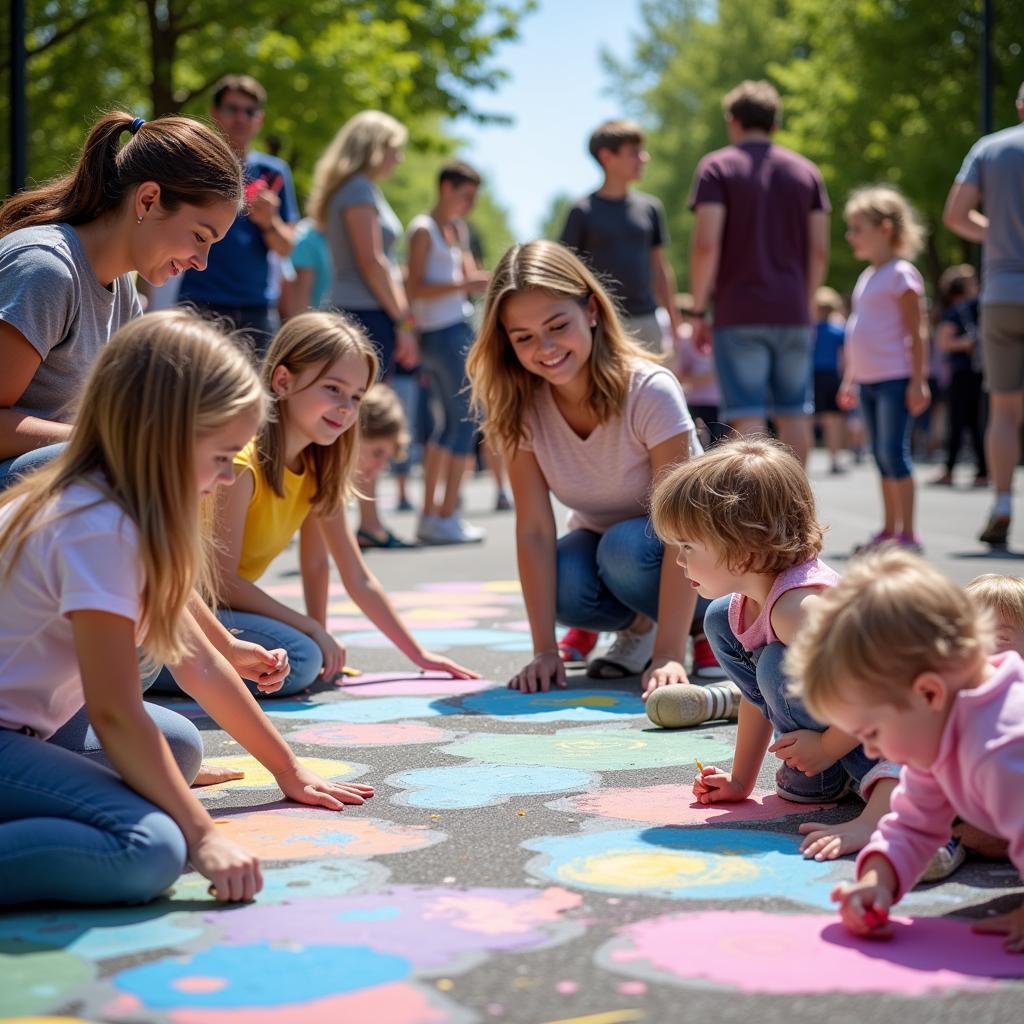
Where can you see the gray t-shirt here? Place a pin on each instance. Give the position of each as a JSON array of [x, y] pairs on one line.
[[995, 166], [48, 292], [616, 236], [348, 289]]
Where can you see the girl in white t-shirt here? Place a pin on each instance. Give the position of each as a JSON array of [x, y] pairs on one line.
[[99, 551], [585, 415]]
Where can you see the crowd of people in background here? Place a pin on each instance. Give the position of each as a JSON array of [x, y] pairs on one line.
[[692, 540]]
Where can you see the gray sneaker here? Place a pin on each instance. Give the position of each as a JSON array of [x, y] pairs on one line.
[[449, 530], [682, 704], [629, 654], [944, 862]]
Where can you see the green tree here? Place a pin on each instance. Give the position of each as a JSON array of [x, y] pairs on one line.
[[554, 220], [321, 61]]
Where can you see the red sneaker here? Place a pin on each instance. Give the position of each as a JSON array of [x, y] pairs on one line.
[[705, 664], [576, 645]]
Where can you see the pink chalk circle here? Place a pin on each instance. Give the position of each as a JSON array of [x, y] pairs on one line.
[[412, 684], [454, 587], [200, 983], [780, 954], [387, 734], [567, 988], [672, 804]]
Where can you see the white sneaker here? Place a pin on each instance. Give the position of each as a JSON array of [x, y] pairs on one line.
[[451, 530], [425, 530], [629, 654]]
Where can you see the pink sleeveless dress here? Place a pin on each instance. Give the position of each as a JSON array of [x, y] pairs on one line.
[[759, 633]]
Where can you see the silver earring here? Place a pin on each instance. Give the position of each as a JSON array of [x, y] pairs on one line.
[[138, 220]]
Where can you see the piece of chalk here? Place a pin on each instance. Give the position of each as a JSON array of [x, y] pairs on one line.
[[700, 767], [876, 918]]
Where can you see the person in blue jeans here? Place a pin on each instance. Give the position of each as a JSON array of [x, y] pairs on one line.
[[96, 556], [442, 275], [743, 521]]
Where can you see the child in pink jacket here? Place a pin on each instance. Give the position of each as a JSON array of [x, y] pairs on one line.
[[896, 655]]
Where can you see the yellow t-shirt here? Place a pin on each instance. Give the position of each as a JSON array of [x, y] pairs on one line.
[[271, 520]]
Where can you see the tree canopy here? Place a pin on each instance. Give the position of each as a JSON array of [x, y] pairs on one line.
[[321, 61]]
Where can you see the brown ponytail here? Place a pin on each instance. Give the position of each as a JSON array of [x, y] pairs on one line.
[[190, 163]]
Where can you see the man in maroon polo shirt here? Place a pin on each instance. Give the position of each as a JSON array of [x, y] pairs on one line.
[[760, 247]]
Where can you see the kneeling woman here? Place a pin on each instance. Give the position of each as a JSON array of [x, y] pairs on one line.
[[583, 414]]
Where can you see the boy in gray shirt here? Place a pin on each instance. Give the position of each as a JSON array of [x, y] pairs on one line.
[[621, 233]]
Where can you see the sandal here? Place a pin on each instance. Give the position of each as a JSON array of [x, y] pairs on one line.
[[389, 540]]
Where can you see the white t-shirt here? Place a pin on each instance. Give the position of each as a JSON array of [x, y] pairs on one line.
[[606, 478], [444, 266], [83, 557]]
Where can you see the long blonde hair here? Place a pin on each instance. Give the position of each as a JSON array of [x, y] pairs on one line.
[[360, 147], [160, 383], [502, 388], [314, 340]]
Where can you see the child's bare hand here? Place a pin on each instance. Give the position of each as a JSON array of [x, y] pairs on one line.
[[333, 652], [847, 396], [1010, 924], [267, 669], [827, 842], [546, 670], [662, 672], [713, 786], [306, 787], [864, 907], [437, 663], [803, 751], [233, 871]]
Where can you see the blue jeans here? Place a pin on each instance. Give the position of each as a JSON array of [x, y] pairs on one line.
[[304, 656], [884, 408], [444, 355], [762, 370], [11, 470], [380, 329], [760, 676], [603, 580], [71, 830]]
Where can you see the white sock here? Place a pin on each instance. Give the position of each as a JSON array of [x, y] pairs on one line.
[[1003, 505]]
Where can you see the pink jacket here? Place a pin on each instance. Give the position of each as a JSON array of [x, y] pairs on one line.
[[978, 775]]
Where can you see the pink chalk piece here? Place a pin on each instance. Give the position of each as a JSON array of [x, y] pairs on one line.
[[397, 1003], [670, 804], [567, 988], [413, 684], [631, 988], [754, 952], [387, 734], [200, 983]]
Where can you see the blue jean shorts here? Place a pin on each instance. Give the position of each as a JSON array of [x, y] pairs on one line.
[[764, 370]]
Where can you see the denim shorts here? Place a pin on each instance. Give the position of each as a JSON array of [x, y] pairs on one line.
[[884, 408], [763, 370]]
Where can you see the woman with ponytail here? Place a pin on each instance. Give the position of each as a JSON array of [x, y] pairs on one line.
[[146, 197]]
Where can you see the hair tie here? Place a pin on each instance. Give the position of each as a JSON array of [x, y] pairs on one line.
[[136, 125]]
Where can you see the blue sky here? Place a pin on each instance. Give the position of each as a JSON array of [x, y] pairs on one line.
[[556, 94]]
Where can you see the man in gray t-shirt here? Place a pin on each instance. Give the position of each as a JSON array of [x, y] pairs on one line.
[[992, 176], [621, 234]]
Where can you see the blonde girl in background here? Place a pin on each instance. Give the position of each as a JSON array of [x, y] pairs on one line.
[[886, 349], [362, 232], [299, 468], [584, 415], [99, 551]]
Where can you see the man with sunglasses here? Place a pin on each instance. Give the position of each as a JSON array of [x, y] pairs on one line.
[[240, 282]]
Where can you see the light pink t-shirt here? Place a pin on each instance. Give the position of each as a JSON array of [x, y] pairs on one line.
[[878, 347], [606, 478], [87, 559], [760, 633], [978, 775]]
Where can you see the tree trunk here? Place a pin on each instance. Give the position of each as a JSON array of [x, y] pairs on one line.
[[163, 44]]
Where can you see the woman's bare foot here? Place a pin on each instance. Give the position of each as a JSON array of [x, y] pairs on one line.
[[210, 774]]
